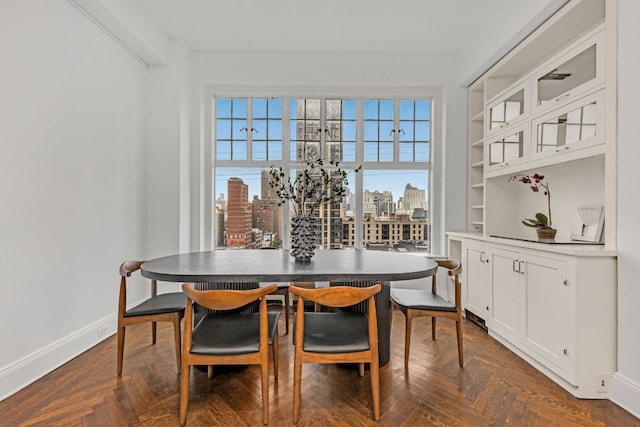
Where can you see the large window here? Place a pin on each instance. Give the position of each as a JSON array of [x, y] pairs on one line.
[[386, 206]]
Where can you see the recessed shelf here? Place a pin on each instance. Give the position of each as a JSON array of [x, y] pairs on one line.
[[478, 117], [478, 143], [477, 207], [477, 222], [479, 164], [481, 185]]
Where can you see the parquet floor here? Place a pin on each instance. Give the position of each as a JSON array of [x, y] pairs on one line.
[[495, 388]]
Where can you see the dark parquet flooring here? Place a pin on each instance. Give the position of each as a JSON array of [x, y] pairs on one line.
[[495, 388]]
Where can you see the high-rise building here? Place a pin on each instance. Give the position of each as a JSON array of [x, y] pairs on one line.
[[414, 198], [269, 206], [238, 214], [308, 137], [378, 203], [219, 238], [266, 217]]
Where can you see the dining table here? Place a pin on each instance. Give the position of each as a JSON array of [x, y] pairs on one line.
[[247, 268]]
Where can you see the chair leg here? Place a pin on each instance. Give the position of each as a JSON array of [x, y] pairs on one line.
[[407, 338], [153, 332], [121, 333], [178, 340], [459, 334], [361, 369], [274, 348], [433, 328], [375, 387], [209, 371], [184, 393], [286, 312], [264, 379], [297, 377]]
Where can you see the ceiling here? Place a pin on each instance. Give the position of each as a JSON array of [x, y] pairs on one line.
[[324, 26]]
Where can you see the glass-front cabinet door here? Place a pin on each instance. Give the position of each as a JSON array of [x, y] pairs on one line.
[[508, 108], [507, 148], [576, 125], [570, 75]]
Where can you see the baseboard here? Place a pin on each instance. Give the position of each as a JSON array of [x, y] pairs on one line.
[[19, 374], [625, 393]]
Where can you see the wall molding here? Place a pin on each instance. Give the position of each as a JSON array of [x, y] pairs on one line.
[[19, 374], [625, 393]]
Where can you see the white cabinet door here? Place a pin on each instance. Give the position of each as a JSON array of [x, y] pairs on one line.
[[546, 319], [474, 285], [505, 293]]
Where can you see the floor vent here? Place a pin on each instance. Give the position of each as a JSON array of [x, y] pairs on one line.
[[475, 319]]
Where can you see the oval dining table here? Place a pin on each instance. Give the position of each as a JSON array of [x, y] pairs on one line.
[[246, 268]]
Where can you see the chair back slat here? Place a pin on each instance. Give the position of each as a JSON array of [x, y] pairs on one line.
[[336, 296], [223, 299], [128, 267]]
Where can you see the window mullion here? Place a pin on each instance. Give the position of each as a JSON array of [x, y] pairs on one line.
[[249, 130], [359, 210], [396, 134]]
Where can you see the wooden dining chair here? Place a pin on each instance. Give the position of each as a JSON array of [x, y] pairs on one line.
[[336, 337], [233, 338], [283, 289], [422, 302], [167, 307]]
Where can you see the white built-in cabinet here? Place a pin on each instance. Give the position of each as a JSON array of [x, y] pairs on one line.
[[554, 306], [547, 107]]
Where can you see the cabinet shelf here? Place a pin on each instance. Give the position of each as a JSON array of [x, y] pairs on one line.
[[478, 117], [481, 185], [479, 164], [478, 143], [477, 207], [477, 222]]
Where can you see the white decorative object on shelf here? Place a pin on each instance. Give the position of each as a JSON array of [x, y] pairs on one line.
[[588, 224]]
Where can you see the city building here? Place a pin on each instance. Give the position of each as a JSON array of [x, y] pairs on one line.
[[239, 215]]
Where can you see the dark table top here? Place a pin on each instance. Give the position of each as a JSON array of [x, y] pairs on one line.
[[253, 265]]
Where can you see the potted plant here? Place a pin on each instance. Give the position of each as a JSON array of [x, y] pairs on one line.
[[541, 222], [316, 183]]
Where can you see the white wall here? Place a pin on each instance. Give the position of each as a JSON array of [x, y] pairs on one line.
[[625, 386], [72, 183], [286, 73], [168, 194], [501, 33]]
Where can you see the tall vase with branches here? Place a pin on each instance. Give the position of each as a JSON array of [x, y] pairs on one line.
[[316, 183]]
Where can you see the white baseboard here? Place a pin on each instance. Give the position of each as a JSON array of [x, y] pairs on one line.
[[625, 393], [19, 374]]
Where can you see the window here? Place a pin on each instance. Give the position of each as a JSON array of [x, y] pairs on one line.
[[385, 206]]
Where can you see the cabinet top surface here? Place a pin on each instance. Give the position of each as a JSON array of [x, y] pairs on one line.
[[585, 250]]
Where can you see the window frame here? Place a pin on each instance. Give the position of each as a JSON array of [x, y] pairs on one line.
[[359, 95]]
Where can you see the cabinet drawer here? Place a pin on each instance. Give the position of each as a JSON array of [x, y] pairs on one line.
[[571, 74], [507, 149], [508, 108], [579, 124]]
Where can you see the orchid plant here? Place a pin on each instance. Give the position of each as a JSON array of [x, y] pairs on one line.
[[537, 185]]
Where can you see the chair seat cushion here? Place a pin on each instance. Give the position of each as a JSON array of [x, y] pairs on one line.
[[420, 299], [340, 332], [230, 334], [163, 303]]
